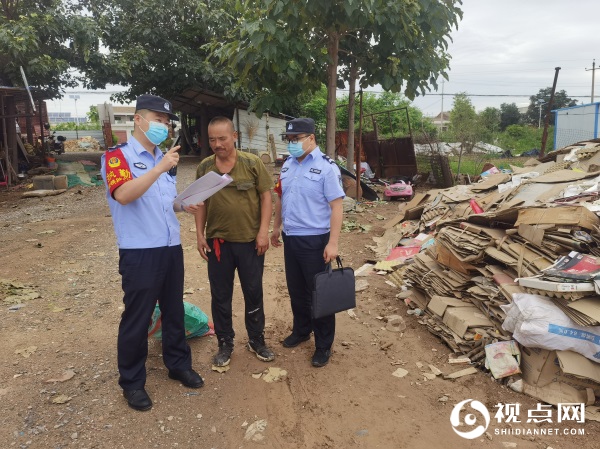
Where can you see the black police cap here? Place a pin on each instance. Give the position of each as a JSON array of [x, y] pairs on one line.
[[156, 104], [299, 126]]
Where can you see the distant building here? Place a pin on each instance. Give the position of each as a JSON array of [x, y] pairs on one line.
[[64, 117], [120, 119], [123, 114], [441, 121]]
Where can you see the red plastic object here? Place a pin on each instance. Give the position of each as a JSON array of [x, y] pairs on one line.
[[476, 207]]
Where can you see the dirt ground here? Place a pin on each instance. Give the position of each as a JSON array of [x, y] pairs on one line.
[[355, 401]]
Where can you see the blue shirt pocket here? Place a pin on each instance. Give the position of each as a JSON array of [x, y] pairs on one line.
[[313, 181]]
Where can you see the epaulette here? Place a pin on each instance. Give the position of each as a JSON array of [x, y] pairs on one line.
[[117, 146], [328, 159]]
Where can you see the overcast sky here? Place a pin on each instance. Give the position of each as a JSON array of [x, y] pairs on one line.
[[511, 47], [501, 47]]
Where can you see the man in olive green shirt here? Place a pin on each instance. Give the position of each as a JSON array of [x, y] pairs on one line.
[[236, 237]]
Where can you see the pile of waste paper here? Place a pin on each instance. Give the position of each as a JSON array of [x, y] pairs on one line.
[[84, 144], [507, 272]]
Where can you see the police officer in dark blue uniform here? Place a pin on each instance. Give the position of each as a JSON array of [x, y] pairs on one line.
[[140, 192], [309, 205]]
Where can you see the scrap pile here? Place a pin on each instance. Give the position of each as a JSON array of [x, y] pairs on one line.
[[86, 143], [513, 257]]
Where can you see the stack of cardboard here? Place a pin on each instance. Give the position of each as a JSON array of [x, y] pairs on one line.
[[434, 278], [559, 376], [478, 263], [530, 220], [465, 245], [573, 282]]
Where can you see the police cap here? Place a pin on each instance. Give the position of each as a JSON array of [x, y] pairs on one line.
[[299, 126], [156, 104]]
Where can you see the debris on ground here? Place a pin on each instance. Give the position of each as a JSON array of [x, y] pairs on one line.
[[255, 431], [465, 253], [86, 143]]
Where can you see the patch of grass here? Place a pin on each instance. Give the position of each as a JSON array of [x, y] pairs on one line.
[[473, 164]]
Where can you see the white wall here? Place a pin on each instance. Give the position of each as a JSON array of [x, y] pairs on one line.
[[576, 124], [265, 125]]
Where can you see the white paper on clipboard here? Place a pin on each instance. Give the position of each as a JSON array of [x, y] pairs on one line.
[[202, 188]]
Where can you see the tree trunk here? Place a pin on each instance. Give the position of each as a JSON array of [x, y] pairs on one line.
[[351, 106], [205, 150], [332, 67]]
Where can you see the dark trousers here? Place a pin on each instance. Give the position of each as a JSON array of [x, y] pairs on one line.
[[303, 259], [148, 276], [221, 274]]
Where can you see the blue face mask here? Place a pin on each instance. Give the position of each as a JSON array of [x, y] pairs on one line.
[[295, 149], [157, 132]]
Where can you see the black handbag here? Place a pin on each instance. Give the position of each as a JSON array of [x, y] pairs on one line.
[[334, 291]]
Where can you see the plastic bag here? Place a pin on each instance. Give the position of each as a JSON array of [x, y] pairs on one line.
[[196, 322], [536, 322]]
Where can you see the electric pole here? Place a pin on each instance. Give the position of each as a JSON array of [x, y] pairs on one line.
[[593, 70], [548, 113], [442, 113]]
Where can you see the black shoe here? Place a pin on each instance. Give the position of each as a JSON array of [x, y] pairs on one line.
[[223, 357], [138, 399], [257, 345], [293, 340], [321, 357], [188, 377]]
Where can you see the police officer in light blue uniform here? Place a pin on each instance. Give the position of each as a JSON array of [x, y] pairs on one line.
[[309, 205], [140, 189]]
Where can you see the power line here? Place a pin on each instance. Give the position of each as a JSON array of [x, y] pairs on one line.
[[468, 95], [523, 62], [499, 95]]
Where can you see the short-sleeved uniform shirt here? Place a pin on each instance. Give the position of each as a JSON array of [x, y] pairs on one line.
[[149, 221], [233, 213], [306, 189]]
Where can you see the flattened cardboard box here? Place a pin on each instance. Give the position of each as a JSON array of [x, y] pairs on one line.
[[419, 298], [541, 367], [507, 285], [415, 207], [490, 182], [494, 234], [459, 319], [560, 393], [448, 259], [439, 304], [588, 306], [495, 219], [563, 215], [465, 245]]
